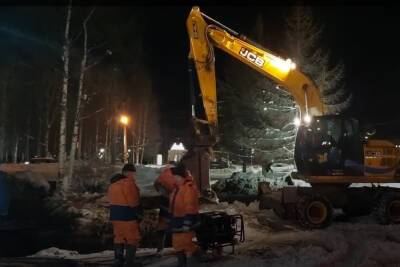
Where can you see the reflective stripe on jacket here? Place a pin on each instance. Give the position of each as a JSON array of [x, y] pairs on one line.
[[123, 213]]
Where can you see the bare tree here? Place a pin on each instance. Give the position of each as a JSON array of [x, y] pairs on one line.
[[51, 111], [3, 112], [145, 128], [15, 148], [63, 104], [80, 103]]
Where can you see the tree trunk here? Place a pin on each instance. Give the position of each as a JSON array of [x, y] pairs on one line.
[[63, 105], [3, 118], [144, 139], [114, 142], [39, 139], [46, 141], [55, 143], [106, 143], [79, 104], [139, 134], [27, 150], [80, 142], [97, 137], [15, 150], [28, 137]]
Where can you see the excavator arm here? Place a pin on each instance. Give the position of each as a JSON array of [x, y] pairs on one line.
[[204, 37]]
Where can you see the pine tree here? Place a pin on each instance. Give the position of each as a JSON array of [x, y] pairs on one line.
[[255, 115], [304, 47]]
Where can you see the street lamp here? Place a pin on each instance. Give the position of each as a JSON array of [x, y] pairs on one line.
[[125, 120]]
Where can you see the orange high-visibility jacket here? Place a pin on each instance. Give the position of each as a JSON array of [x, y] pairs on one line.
[[184, 205], [123, 195]]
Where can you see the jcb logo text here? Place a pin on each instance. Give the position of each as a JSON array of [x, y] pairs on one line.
[[250, 56]]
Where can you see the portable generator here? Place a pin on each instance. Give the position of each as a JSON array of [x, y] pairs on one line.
[[218, 229]]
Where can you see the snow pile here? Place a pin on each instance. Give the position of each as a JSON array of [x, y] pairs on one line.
[[240, 183], [279, 174], [224, 173], [56, 253]]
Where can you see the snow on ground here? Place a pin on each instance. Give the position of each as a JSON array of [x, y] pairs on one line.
[[54, 252], [224, 173], [396, 185]]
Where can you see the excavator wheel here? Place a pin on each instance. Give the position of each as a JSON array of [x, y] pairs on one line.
[[314, 211], [387, 210]]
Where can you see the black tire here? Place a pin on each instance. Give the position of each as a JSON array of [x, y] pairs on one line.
[[387, 210], [314, 211]]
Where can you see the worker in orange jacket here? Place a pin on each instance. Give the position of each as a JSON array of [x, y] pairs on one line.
[[123, 195], [164, 184], [184, 208]]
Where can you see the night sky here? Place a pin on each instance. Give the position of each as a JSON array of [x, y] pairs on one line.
[[364, 37]]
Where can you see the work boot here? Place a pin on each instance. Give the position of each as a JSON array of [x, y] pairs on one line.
[[118, 255], [130, 257], [160, 242], [182, 260], [201, 256]]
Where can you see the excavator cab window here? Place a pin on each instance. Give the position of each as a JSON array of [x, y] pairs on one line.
[[325, 145]]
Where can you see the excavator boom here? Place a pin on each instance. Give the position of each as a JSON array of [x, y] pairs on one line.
[[203, 38]]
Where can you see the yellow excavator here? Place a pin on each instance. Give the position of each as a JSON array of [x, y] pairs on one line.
[[330, 151]]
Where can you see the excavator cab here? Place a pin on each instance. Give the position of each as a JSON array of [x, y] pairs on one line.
[[327, 144]]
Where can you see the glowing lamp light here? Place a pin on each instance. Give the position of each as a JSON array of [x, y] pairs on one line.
[[297, 122], [176, 146], [124, 120], [283, 65], [291, 64], [280, 64], [307, 118], [102, 150]]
